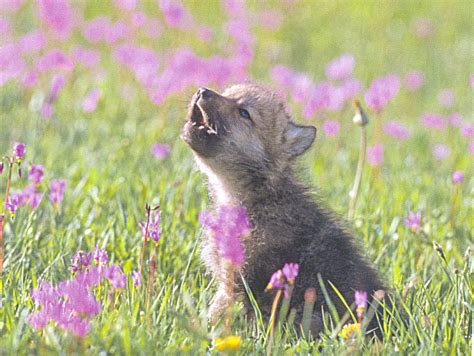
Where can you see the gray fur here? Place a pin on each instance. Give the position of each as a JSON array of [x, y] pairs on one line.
[[250, 162]]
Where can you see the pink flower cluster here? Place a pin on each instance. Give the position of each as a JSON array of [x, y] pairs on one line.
[[396, 130], [227, 226], [30, 195], [381, 91], [153, 230], [317, 96], [72, 302]]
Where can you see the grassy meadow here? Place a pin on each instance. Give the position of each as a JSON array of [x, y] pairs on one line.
[[104, 154]]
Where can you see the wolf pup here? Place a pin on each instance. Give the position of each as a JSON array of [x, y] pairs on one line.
[[245, 141]]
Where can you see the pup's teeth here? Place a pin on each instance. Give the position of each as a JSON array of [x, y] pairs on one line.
[[201, 127], [193, 123]]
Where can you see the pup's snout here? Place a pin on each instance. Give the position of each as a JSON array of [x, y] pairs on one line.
[[205, 93]]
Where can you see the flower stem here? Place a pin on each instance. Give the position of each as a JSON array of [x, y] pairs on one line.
[[272, 322], [147, 208], [151, 275], [358, 177], [2, 220]]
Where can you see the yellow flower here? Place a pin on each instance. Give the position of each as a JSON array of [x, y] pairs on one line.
[[350, 330], [229, 343]]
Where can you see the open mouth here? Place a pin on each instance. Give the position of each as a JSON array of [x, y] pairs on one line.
[[201, 121]]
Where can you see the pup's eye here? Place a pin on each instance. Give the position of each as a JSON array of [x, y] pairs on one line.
[[244, 113]]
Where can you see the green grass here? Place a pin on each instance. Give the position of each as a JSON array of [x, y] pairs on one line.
[[105, 158]]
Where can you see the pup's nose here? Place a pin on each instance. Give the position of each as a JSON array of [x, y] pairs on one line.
[[205, 93]]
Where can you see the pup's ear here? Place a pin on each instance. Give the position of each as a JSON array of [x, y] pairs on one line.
[[299, 138]]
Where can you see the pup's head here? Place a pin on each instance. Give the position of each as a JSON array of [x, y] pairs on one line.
[[246, 126]]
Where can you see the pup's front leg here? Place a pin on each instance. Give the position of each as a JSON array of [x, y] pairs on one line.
[[224, 297]]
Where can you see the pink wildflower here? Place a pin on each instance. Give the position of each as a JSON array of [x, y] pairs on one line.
[[360, 299], [413, 221], [441, 151], [136, 278], [414, 80], [396, 130], [446, 98], [375, 154], [160, 150], [89, 103], [87, 57], [57, 15], [32, 42], [227, 226], [458, 177], [19, 150], [154, 230], [54, 59], [31, 196], [126, 5], [381, 91], [331, 127], [290, 271], [116, 277], [56, 190], [341, 67], [467, 129], [433, 121]]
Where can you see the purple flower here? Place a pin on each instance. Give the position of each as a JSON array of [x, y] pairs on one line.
[[341, 67], [381, 91], [414, 80], [441, 151], [396, 130], [100, 255], [13, 202], [458, 177], [19, 150], [175, 14], [471, 147], [127, 5], [227, 227], [375, 154], [331, 127], [32, 42], [116, 277], [57, 14], [160, 150], [413, 221], [36, 173], [56, 190], [81, 260], [446, 98], [360, 299], [87, 57], [96, 29], [290, 271], [1, 166], [277, 280], [467, 129], [90, 101], [154, 230], [54, 59], [31, 196], [136, 278], [455, 119], [433, 121]]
